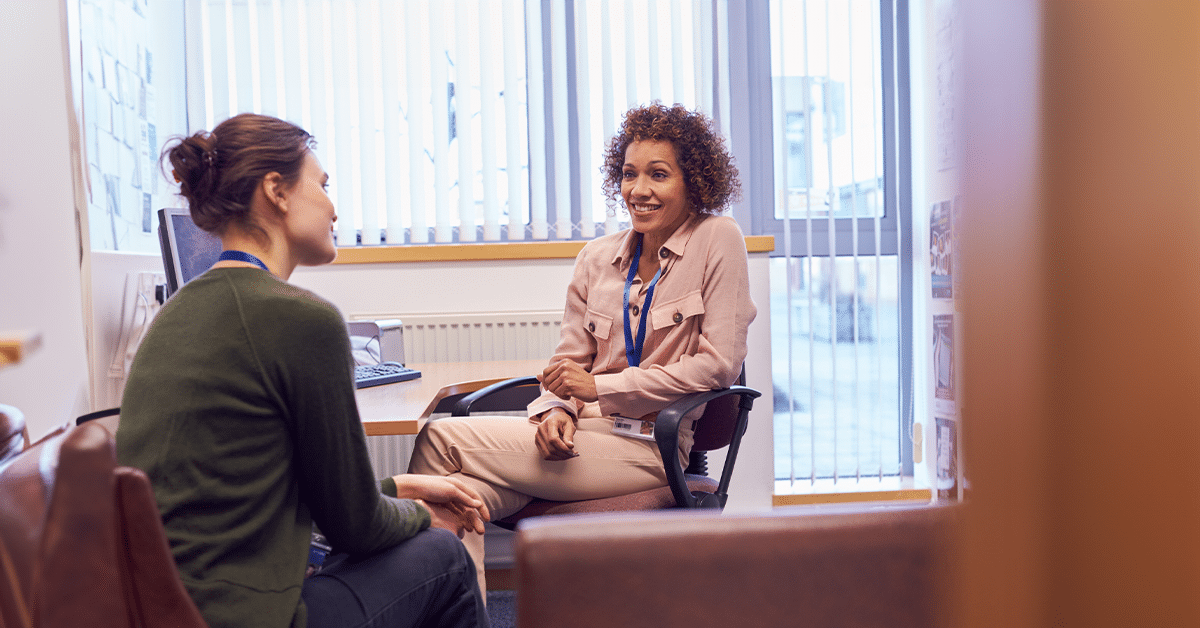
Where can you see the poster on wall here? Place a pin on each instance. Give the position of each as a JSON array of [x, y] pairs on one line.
[[941, 249], [943, 364], [947, 458]]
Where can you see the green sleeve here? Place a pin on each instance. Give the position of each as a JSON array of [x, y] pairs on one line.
[[335, 477]]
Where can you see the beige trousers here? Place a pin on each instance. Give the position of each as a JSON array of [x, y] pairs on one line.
[[496, 456]]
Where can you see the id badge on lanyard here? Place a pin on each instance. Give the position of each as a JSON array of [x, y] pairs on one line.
[[633, 428], [633, 348], [625, 426]]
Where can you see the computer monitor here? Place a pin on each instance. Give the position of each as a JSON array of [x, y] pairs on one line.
[[187, 250]]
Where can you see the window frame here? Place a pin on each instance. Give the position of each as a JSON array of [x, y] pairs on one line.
[[752, 139]]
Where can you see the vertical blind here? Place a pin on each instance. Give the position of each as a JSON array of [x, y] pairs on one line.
[[458, 120], [836, 320]]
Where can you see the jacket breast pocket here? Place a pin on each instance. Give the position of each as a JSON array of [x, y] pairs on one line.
[[675, 311], [597, 324]]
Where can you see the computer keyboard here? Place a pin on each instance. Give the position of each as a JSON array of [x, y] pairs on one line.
[[366, 375]]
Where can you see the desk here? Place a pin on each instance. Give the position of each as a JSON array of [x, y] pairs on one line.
[[399, 408]]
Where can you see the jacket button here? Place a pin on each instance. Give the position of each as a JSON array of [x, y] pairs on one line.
[[633, 309], [663, 252], [678, 318], [591, 327]]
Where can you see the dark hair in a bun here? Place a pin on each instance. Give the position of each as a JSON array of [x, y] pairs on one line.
[[218, 171]]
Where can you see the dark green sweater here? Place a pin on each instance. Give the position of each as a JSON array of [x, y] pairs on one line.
[[240, 407]]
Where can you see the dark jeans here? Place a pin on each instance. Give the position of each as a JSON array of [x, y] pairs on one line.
[[428, 580]]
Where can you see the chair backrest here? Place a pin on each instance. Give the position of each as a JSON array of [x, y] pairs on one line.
[[81, 540], [58, 527], [155, 593], [716, 426]]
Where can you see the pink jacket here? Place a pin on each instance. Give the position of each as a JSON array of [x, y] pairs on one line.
[[698, 319]]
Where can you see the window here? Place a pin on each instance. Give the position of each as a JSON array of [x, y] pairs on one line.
[[837, 302], [453, 121]]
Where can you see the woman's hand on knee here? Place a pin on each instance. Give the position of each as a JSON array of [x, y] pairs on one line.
[[453, 518], [447, 492], [555, 437]]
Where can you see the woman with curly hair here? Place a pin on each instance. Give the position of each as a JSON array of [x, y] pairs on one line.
[[653, 313]]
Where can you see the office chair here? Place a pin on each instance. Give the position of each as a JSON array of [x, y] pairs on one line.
[[721, 425], [109, 418]]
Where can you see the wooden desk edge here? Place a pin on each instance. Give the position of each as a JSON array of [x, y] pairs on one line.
[[392, 428]]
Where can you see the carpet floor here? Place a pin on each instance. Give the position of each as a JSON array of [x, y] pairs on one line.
[[502, 608]]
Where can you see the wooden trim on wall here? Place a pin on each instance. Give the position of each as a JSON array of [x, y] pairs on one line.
[[904, 494], [489, 251]]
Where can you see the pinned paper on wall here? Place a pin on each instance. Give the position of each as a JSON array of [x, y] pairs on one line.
[[118, 97], [947, 458], [941, 249], [943, 363]]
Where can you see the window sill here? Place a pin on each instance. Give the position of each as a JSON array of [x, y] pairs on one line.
[[384, 254], [847, 490]]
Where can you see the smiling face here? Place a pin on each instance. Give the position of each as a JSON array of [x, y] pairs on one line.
[[653, 187], [311, 216]]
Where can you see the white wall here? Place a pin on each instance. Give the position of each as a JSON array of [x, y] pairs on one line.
[[935, 66], [40, 276]]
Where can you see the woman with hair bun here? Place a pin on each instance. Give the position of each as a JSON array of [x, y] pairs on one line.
[[653, 313], [240, 408]]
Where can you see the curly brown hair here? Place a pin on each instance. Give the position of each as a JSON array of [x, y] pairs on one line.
[[708, 170]]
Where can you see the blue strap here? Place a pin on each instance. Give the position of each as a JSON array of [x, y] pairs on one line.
[[242, 256], [633, 351]]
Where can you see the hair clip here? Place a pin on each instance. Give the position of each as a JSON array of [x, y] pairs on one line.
[[176, 175]]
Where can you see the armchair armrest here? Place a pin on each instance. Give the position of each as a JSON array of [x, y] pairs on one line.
[[463, 406], [666, 435]]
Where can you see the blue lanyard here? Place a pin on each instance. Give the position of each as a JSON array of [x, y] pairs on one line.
[[242, 256], [633, 352]]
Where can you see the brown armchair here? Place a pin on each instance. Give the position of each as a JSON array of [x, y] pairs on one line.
[[839, 566], [82, 543]]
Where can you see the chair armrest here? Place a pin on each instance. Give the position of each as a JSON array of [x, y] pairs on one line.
[[463, 406], [99, 414], [666, 435]]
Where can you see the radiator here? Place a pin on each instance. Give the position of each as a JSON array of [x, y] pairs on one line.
[[473, 337]]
